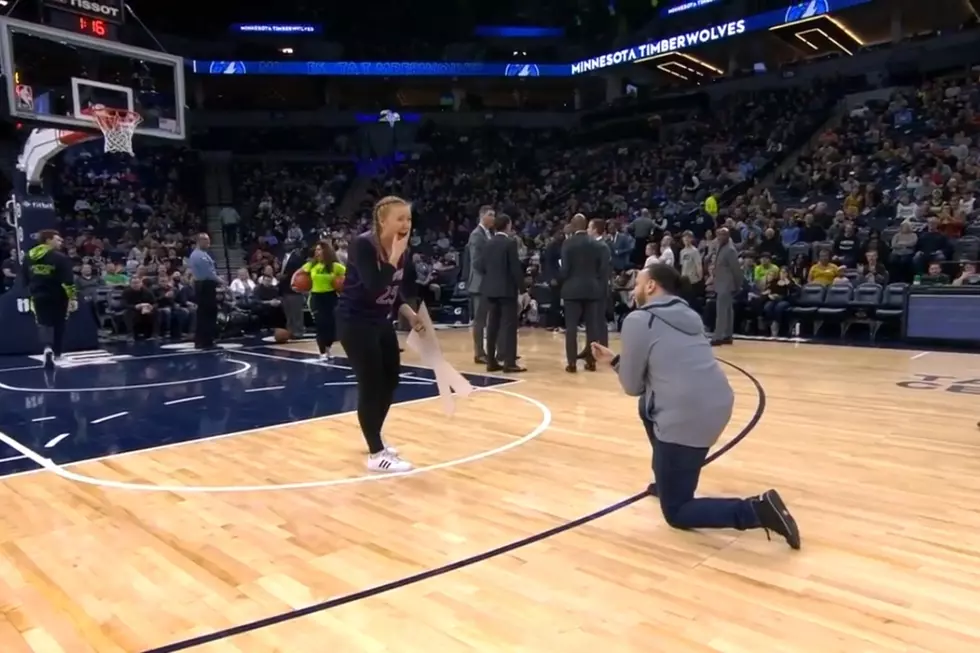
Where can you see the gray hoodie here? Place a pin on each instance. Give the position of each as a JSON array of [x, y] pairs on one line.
[[667, 359]]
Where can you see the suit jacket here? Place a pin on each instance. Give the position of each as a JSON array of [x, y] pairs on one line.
[[500, 266], [728, 275], [479, 238], [295, 261], [551, 261], [585, 265]]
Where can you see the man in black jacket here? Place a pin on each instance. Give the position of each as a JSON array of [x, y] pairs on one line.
[[584, 282], [551, 274], [50, 281], [139, 312], [502, 279], [292, 301]]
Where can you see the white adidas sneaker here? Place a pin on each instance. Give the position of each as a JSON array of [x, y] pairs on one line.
[[387, 462]]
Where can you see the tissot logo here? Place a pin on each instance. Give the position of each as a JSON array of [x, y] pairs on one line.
[[108, 9]]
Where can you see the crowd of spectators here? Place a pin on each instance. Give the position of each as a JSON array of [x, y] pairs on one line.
[[886, 196]]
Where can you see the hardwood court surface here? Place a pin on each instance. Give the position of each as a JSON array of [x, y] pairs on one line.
[[883, 480]]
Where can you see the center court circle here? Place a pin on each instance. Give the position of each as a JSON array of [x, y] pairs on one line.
[[50, 466], [242, 368]]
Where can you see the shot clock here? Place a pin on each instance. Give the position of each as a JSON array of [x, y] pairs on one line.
[[95, 27]]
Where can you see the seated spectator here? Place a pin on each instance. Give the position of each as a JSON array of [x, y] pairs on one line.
[[904, 244], [846, 247], [779, 292], [172, 318], [139, 310], [10, 269], [872, 270], [115, 275], [968, 276], [765, 270], [933, 277], [87, 284], [242, 287], [932, 245], [823, 272], [772, 246]]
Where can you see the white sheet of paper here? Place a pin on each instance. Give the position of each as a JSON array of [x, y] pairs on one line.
[[426, 346]]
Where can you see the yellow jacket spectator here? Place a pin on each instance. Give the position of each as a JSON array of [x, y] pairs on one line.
[[823, 271], [711, 206]]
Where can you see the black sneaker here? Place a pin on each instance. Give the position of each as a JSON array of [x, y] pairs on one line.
[[775, 516]]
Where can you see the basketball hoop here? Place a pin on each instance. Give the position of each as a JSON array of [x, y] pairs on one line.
[[118, 127]]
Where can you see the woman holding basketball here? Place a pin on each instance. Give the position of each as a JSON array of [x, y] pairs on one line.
[[379, 270], [326, 276]]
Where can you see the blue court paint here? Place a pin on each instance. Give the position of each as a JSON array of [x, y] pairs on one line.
[[143, 399]]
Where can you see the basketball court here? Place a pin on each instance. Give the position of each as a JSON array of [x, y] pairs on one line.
[[159, 499], [172, 500]]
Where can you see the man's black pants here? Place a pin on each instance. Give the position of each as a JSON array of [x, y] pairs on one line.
[[206, 330], [51, 315]]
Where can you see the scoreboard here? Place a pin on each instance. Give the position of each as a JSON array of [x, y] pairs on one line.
[[99, 20]]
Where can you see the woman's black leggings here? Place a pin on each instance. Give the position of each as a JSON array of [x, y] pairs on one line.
[[322, 306], [373, 354]]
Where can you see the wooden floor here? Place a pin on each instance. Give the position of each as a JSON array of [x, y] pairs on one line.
[[884, 481]]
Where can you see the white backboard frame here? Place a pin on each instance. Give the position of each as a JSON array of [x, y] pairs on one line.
[[76, 86], [8, 26]]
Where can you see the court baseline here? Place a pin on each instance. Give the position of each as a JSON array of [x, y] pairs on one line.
[[466, 562]]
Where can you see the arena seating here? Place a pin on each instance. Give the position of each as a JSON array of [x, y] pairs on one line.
[[905, 158]]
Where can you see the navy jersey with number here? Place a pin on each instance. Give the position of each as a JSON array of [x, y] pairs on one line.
[[372, 285]]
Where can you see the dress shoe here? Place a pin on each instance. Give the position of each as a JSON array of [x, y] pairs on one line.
[[494, 367], [571, 369], [480, 360], [514, 369], [590, 366]]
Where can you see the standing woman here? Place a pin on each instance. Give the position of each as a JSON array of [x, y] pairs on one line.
[[379, 270], [326, 276]]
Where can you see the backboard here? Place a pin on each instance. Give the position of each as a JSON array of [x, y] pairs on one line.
[[55, 76]]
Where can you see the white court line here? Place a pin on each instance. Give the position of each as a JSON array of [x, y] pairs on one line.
[[174, 402], [920, 355], [310, 361], [49, 465], [271, 387], [132, 357], [353, 384], [108, 417], [233, 434], [244, 368], [44, 419], [12, 458], [55, 440]]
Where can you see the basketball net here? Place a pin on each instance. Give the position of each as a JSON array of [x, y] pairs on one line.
[[118, 127]]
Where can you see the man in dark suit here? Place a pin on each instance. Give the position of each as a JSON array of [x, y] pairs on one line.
[[292, 301], [551, 274], [479, 238], [503, 276], [584, 280]]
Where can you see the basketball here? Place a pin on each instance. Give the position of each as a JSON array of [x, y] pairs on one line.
[[280, 336], [338, 283], [302, 281]]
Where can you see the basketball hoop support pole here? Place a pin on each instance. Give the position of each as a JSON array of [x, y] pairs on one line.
[[43, 145]]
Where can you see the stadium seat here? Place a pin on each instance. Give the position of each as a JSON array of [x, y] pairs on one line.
[[866, 299], [836, 305], [809, 301], [799, 249], [891, 308]]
